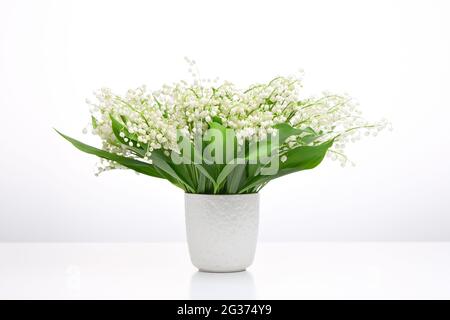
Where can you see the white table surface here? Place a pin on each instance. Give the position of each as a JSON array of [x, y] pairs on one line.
[[308, 270]]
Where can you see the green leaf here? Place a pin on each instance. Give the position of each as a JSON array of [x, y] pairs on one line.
[[217, 120], [304, 157], [308, 138], [218, 166], [201, 184], [177, 174], [191, 158], [207, 175], [235, 179], [118, 128], [164, 163], [285, 131], [229, 167], [269, 102], [298, 159], [138, 166], [94, 122]]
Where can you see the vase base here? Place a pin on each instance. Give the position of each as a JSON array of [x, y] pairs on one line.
[[221, 271]]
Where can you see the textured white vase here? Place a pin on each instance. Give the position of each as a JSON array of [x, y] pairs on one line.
[[222, 231]]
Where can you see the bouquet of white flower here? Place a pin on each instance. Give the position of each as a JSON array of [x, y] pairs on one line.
[[219, 139], [221, 145]]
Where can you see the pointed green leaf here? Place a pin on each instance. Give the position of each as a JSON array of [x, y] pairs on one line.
[[139, 166], [298, 159]]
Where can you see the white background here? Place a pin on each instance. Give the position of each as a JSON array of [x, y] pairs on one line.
[[392, 56]]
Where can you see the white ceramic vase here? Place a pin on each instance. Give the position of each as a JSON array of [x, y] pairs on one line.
[[222, 231]]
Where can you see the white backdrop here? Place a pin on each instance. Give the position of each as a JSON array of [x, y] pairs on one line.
[[393, 56]]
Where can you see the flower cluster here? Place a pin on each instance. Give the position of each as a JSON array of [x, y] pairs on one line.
[[156, 117], [213, 137]]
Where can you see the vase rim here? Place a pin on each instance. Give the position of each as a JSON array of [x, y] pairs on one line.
[[221, 195]]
